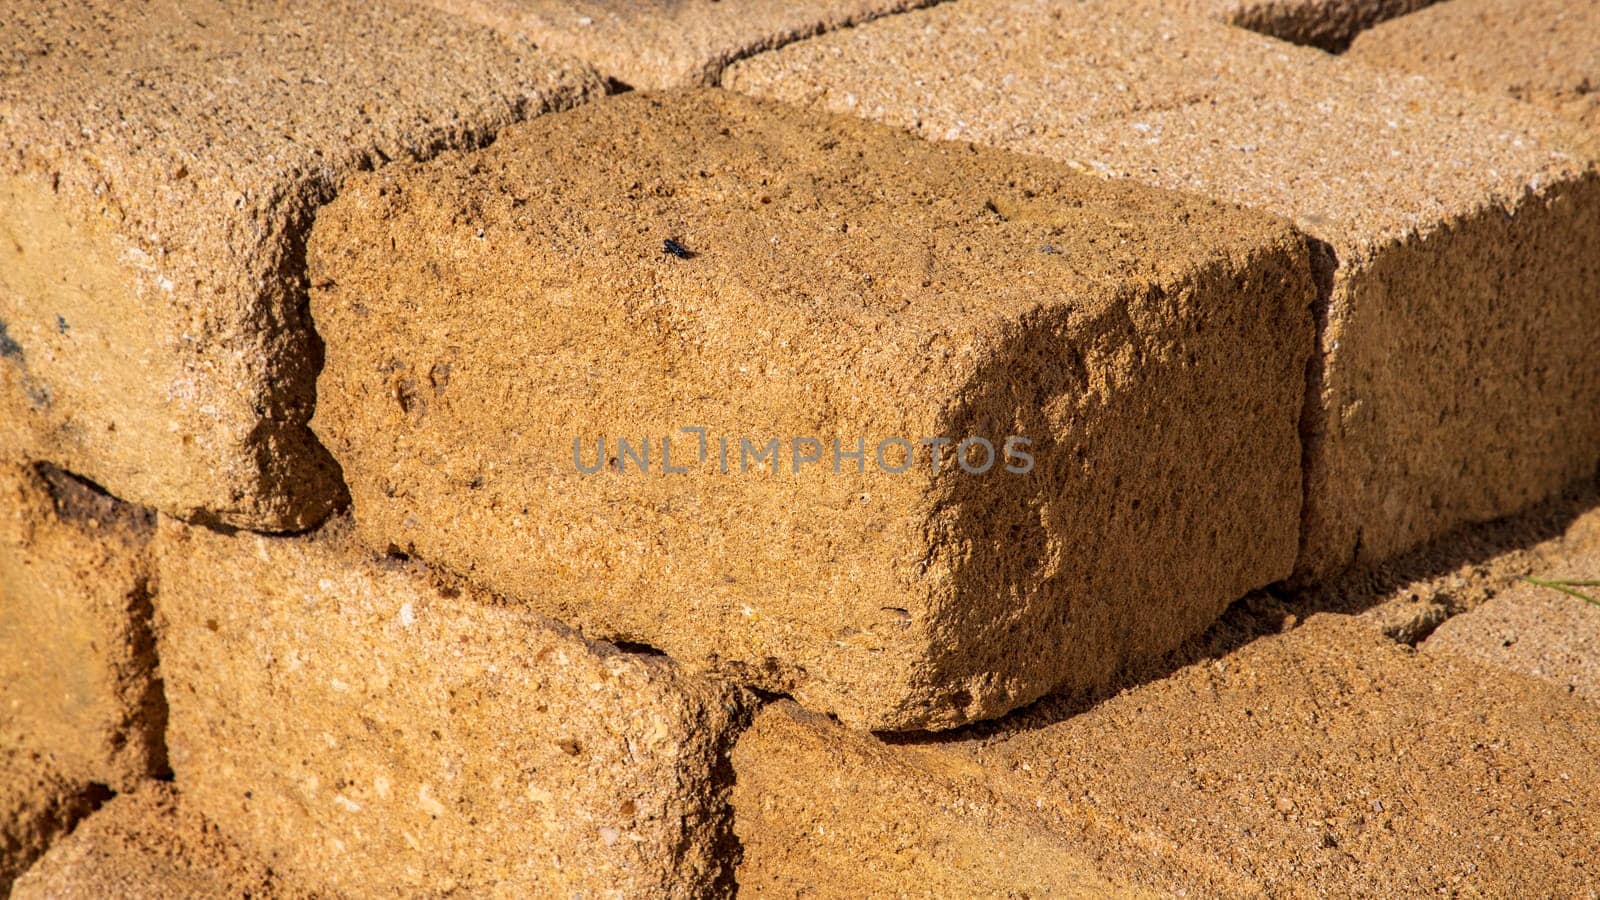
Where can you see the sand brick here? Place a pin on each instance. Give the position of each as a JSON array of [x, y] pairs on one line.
[[78, 680], [1536, 630], [150, 845], [655, 45], [849, 283], [1323, 761], [37, 807], [1539, 51], [361, 727], [1455, 379], [1328, 24], [159, 166]]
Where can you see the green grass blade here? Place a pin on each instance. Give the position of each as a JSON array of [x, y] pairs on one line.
[[1566, 587]]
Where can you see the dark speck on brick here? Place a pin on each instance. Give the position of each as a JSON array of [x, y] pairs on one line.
[[38, 394], [9, 348], [61, 324]]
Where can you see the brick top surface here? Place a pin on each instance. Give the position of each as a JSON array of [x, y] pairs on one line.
[[188, 123], [1326, 760], [778, 197], [1351, 154], [1333, 743], [668, 43], [1541, 51]]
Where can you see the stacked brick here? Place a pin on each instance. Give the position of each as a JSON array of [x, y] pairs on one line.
[[162, 164], [80, 704], [428, 740], [1540, 616], [1541, 628], [1453, 382], [852, 287], [419, 470], [159, 168], [38, 806]]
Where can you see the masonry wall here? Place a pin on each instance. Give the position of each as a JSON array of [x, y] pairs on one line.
[[378, 384]]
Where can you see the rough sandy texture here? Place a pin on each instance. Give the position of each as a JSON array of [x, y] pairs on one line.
[[1328, 24], [1537, 630], [1409, 596], [37, 807], [1540, 51], [78, 680], [1455, 380], [1324, 761], [655, 44], [825, 811], [848, 283], [159, 166], [363, 728], [153, 846]]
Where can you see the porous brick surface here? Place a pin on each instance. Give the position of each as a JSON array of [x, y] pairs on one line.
[[159, 165], [844, 282], [1408, 597], [1453, 382], [151, 845], [1540, 51], [1327, 24], [1536, 629], [365, 729], [78, 681], [1323, 761], [37, 806], [827, 811], [667, 43]]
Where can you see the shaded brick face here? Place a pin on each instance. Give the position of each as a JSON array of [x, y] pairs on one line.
[[1326, 24], [78, 679]]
